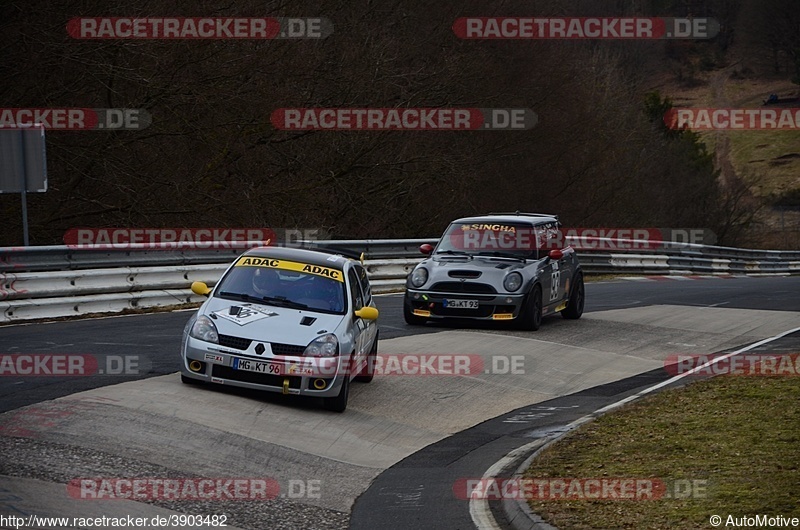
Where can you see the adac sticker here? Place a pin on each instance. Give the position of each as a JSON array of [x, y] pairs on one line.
[[317, 270], [245, 314]]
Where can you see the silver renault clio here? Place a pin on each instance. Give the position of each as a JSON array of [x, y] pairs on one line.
[[286, 320]]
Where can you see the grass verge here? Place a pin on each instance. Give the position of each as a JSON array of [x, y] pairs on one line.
[[740, 434]]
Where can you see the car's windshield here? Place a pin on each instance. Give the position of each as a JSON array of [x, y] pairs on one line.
[[516, 240], [284, 283]]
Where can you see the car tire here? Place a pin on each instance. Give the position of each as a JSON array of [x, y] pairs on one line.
[[189, 381], [410, 318], [531, 314], [339, 403], [368, 373], [576, 301]]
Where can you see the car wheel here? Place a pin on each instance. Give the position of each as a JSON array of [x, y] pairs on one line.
[[410, 318], [189, 381], [574, 308], [339, 403], [368, 373], [531, 314]]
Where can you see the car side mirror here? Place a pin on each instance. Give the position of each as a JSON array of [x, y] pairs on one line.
[[367, 313], [555, 255], [200, 288], [426, 249]]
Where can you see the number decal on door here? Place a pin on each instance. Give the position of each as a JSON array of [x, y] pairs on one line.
[[555, 281]]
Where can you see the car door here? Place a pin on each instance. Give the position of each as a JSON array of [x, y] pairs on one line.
[[565, 266], [366, 290], [359, 324], [552, 276], [567, 272]]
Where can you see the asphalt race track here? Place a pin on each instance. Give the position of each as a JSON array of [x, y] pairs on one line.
[[392, 458]]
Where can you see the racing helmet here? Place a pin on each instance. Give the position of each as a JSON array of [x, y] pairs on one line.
[[265, 281]]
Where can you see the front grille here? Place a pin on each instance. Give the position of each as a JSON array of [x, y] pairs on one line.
[[236, 343], [226, 372], [287, 349], [463, 287], [465, 274], [240, 343]]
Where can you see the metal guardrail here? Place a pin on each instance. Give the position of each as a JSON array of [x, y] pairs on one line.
[[63, 257], [36, 295], [58, 281]]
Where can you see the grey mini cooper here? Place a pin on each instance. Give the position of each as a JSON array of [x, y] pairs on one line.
[[497, 267]]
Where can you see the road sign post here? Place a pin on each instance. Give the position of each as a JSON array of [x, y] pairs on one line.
[[23, 166]]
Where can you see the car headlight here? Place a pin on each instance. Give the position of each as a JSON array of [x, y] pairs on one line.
[[204, 329], [419, 277], [513, 282], [323, 346]]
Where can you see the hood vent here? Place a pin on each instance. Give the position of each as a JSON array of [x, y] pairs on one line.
[[464, 274], [503, 266], [307, 321]]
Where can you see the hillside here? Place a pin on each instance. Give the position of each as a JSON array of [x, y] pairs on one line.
[[211, 157], [763, 59]]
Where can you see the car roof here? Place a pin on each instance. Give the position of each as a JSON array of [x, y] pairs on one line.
[[534, 219], [311, 257]]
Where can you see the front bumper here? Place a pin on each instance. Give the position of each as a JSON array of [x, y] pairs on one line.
[[497, 307], [216, 365]]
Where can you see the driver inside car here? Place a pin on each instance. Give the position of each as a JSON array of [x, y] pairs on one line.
[[266, 282]]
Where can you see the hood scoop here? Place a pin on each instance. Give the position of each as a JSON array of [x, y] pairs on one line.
[[502, 266], [464, 274], [307, 321]]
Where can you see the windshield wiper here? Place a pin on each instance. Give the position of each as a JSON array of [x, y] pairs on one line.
[[272, 300], [242, 296], [499, 254], [283, 301], [455, 253]]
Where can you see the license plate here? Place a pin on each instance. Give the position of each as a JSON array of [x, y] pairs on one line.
[[461, 304], [257, 366]]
